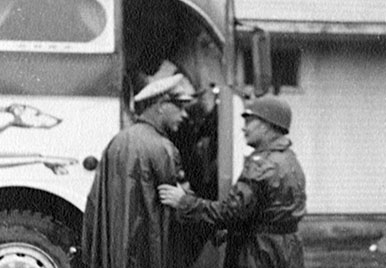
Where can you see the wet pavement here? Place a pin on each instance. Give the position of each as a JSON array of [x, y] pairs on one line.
[[354, 258]]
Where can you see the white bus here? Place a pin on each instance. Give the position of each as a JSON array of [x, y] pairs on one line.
[[68, 71]]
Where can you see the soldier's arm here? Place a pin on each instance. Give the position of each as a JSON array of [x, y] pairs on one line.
[[245, 198], [239, 204]]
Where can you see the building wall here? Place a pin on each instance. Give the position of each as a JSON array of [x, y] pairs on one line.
[[312, 10], [339, 125]]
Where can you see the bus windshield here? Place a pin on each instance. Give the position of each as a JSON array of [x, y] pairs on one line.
[[57, 26]]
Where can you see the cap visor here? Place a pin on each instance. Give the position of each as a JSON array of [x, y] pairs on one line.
[[199, 93], [184, 98], [247, 112]]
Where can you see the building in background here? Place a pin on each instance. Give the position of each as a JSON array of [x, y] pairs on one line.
[[329, 62]]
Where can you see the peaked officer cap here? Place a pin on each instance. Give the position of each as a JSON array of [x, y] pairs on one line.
[[177, 86]]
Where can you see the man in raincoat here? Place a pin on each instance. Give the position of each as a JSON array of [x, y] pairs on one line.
[[264, 207], [125, 225]]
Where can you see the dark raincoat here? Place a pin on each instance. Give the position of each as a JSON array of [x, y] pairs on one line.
[[125, 225], [261, 212]]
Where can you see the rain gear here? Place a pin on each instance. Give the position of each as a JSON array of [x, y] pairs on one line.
[[125, 225], [261, 212]]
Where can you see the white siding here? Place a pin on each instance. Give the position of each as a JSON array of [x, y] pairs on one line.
[[339, 129], [313, 10]]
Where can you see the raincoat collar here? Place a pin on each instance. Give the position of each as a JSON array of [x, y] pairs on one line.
[[280, 144], [153, 120]]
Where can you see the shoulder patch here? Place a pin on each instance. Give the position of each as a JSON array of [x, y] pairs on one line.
[[255, 167]]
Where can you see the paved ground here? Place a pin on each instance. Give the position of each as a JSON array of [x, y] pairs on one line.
[[344, 241], [327, 254], [358, 258]]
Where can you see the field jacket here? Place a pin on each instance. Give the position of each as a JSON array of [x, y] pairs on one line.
[[261, 211]]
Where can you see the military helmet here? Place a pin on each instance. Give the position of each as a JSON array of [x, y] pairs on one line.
[[271, 109]]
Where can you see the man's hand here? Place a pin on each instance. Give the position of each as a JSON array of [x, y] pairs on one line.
[[170, 195], [185, 186]]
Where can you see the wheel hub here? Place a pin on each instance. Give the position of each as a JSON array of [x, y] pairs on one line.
[[23, 255]]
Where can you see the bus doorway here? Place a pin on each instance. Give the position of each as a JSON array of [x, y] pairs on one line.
[[169, 37]]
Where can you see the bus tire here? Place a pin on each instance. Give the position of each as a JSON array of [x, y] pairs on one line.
[[27, 239]]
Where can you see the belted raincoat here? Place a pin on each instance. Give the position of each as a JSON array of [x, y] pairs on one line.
[[125, 225], [261, 212]]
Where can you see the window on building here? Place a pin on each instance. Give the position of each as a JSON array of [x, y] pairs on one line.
[[248, 67], [285, 68]]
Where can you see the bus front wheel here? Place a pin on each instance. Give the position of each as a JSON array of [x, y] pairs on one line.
[[29, 240]]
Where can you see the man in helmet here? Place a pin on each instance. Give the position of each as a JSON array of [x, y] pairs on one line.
[[125, 225], [262, 210]]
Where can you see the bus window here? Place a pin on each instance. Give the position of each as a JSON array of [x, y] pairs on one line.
[[44, 25]]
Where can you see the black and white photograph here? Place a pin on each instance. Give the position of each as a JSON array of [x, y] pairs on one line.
[[192, 134]]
